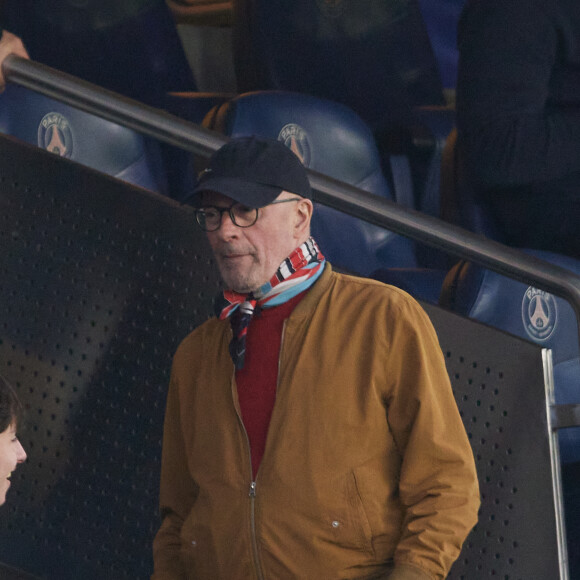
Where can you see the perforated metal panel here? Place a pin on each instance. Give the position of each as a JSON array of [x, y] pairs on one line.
[[98, 284], [498, 381]]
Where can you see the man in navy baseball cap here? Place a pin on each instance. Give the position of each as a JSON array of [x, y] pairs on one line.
[[311, 429]]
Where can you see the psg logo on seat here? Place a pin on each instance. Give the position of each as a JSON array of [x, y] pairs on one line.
[[539, 314], [296, 139], [55, 135]]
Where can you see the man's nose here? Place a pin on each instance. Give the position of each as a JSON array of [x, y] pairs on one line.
[[20, 453], [228, 228]]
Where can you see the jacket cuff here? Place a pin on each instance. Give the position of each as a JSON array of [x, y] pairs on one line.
[[408, 572]]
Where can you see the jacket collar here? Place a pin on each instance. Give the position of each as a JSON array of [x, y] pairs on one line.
[[307, 305]]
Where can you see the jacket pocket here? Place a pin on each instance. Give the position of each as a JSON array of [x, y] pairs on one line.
[[357, 520], [377, 493], [188, 560], [189, 550], [198, 551]]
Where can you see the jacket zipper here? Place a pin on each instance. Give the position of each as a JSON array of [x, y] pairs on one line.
[[252, 495], [257, 562], [252, 492]]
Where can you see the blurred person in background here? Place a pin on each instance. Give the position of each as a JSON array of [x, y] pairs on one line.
[[9, 44], [518, 117]]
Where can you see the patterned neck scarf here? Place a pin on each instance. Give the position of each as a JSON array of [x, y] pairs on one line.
[[296, 273]]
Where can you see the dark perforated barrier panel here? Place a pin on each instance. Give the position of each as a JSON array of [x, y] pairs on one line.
[[498, 381], [98, 284]]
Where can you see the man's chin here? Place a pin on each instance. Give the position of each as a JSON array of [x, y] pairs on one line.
[[238, 284], [241, 277]]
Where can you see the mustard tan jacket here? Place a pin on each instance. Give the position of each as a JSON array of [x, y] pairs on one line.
[[367, 471]]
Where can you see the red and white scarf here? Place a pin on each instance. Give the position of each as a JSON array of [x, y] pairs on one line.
[[295, 274]]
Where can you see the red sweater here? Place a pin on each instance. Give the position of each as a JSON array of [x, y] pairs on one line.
[[258, 379]]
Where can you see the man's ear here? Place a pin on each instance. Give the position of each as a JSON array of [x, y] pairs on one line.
[[304, 209]]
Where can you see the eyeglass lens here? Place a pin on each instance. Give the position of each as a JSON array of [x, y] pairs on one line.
[[210, 218]]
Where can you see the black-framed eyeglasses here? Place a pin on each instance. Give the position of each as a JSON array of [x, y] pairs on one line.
[[209, 217]]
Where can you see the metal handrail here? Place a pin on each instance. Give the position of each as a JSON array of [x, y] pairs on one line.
[[330, 192]]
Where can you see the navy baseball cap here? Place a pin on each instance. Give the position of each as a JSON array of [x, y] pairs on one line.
[[253, 171]]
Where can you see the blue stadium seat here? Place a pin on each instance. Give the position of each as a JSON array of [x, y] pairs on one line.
[[131, 47], [330, 139], [529, 313], [81, 137]]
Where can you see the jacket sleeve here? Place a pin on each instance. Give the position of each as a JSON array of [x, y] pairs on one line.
[[177, 493], [509, 132], [438, 484]]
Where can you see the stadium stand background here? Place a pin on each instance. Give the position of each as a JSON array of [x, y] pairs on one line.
[[206, 34]]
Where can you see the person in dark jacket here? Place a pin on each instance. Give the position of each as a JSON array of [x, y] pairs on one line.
[[518, 117]]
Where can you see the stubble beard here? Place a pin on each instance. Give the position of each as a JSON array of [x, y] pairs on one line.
[[237, 278]]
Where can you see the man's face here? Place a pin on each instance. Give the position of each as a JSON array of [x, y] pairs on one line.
[[248, 257], [11, 454]]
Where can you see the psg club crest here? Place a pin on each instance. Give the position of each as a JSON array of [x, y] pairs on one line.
[[55, 135], [296, 139], [539, 314]]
